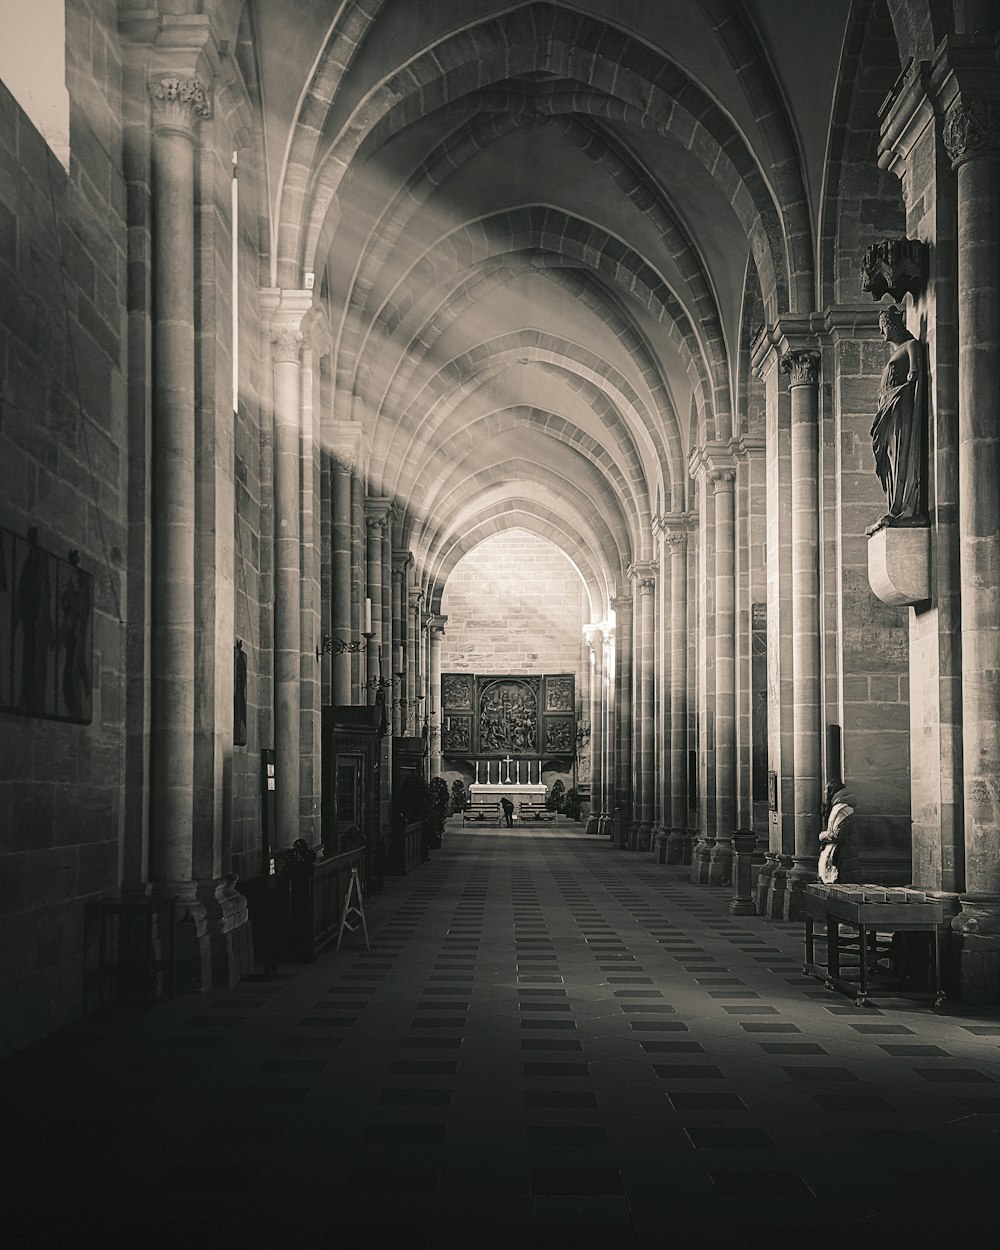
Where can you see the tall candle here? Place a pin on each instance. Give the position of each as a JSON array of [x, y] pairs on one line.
[[399, 660], [368, 617]]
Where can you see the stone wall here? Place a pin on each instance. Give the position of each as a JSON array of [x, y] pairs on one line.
[[513, 606], [63, 441]]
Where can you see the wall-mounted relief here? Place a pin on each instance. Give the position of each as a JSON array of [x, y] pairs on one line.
[[559, 737], [456, 734], [496, 715], [559, 693], [46, 632], [457, 691], [508, 715]]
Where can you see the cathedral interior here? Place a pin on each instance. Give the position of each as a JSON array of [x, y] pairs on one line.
[[500, 622]]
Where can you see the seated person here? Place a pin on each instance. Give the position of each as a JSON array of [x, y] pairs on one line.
[[838, 856]]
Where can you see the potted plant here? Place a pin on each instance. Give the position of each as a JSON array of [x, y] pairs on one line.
[[556, 797], [439, 808], [459, 796]]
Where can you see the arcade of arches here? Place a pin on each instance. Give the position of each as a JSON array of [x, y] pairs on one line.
[[540, 326]]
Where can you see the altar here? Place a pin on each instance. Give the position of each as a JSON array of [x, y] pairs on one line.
[[517, 792]]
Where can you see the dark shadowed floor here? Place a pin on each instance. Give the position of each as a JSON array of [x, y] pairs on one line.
[[551, 1044]]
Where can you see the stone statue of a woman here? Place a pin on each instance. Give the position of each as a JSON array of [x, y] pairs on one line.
[[897, 434]]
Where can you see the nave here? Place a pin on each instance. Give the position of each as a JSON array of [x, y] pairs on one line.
[[549, 1044]]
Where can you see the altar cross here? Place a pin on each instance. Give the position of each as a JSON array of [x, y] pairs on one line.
[[508, 760]]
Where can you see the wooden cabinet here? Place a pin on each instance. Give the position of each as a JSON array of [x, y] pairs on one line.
[[352, 748], [407, 838]]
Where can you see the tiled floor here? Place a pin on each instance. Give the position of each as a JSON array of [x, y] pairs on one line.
[[551, 1044]]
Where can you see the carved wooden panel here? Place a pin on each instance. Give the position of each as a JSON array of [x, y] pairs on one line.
[[490, 716]]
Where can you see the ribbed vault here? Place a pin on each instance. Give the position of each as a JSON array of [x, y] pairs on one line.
[[534, 234]]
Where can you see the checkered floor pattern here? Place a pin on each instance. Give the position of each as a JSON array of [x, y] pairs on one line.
[[550, 1044]]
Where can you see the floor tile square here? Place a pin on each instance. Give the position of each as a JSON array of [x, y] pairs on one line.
[[708, 1137], [567, 1181], [750, 1184], [415, 1098], [391, 1180], [211, 1177], [706, 1102], [576, 1098]]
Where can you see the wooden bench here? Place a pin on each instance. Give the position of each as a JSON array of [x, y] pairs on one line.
[[481, 811], [535, 811]]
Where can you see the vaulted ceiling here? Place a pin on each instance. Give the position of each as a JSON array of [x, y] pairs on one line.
[[540, 230]]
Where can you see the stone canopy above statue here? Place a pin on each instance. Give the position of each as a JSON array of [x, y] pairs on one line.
[[489, 716]]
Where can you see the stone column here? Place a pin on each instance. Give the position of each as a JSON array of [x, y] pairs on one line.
[[401, 561], [802, 368], [972, 140], [645, 718], [287, 338], [388, 658], [415, 641], [434, 693], [594, 635], [661, 709], [679, 844], [375, 528], [178, 105], [606, 823], [341, 615], [704, 675], [623, 706], [720, 859]]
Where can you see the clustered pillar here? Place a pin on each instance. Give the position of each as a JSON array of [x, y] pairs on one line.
[[594, 636], [802, 367], [623, 706], [645, 676], [678, 844], [720, 857], [972, 139], [178, 105]]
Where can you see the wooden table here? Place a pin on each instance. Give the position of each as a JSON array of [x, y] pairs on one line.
[[868, 919], [127, 951]]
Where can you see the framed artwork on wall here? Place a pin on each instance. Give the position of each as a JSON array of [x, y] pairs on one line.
[[46, 632]]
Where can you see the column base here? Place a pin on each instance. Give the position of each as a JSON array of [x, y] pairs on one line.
[[605, 825], [720, 863], [229, 932], [793, 904], [977, 930], [592, 823], [640, 836], [679, 847], [700, 860], [763, 883], [192, 942], [774, 903]]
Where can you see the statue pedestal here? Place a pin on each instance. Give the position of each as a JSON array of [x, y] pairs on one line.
[[899, 565]]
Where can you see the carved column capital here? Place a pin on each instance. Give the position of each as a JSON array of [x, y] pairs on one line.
[[622, 605], [675, 541], [802, 367], [345, 458], [286, 344], [643, 573], [376, 525], [971, 129], [593, 635], [723, 480], [178, 103]]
